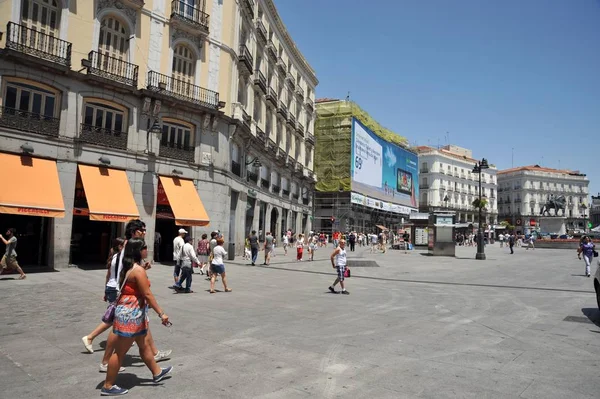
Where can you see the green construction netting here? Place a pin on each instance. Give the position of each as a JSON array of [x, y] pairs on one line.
[[333, 135]]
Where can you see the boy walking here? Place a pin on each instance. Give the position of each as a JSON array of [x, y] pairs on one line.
[[338, 262], [9, 260]]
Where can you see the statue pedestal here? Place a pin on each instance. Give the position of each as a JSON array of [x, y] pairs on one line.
[[553, 225]]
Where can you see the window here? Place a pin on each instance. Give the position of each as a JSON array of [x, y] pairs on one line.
[[184, 64], [177, 135], [31, 99], [298, 150], [258, 112], [424, 167], [41, 16], [103, 116], [308, 156], [114, 39]]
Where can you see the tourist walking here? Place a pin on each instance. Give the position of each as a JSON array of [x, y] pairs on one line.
[[131, 317], [218, 266], [586, 248], [530, 243], [177, 247], [203, 252], [406, 239], [253, 238], [352, 241], [339, 262], [188, 259], [286, 243], [312, 246], [299, 247], [9, 260], [110, 293], [268, 247], [511, 242]]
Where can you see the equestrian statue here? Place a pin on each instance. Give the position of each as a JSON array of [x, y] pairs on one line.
[[557, 204]]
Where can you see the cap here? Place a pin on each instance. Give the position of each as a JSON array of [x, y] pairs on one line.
[[182, 231]]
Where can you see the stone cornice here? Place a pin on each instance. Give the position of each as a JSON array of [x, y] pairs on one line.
[[291, 46]]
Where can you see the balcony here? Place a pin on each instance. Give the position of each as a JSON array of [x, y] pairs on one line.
[[442, 171], [262, 137], [298, 167], [282, 110], [261, 32], [291, 120], [111, 69], [310, 138], [285, 192], [271, 97], [276, 189], [300, 129], [182, 91], [271, 52], [29, 122], [182, 153], [23, 40], [102, 136], [189, 18], [424, 186], [272, 147], [236, 168], [424, 170], [295, 196], [281, 66], [264, 183], [305, 201], [251, 176], [245, 60], [300, 92], [135, 4], [260, 81], [289, 78], [310, 105], [248, 7]]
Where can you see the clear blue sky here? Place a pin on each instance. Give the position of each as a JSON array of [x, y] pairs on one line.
[[496, 75]]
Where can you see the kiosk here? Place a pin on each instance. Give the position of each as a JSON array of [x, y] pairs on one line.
[[441, 234]]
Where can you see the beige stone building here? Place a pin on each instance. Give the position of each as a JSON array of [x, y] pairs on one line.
[[185, 113]]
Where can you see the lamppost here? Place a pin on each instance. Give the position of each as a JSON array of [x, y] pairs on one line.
[[478, 168], [584, 207], [446, 199]]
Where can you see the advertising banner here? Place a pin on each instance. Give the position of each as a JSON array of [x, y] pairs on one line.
[[370, 202], [382, 170]]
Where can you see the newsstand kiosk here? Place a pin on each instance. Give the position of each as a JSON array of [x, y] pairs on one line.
[[441, 234]]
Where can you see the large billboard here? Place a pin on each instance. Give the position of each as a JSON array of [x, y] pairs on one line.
[[383, 170]]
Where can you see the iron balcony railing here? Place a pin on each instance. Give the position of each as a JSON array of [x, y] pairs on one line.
[[261, 31], [285, 192], [182, 90], [236, 168], [272, 96], [183, 153], [281, 64], [112, 68], [271, 52], [249, 6], [310, 138], [282, 109], [310, 104], [260, 80], [103, 136], [252, 176], [180, 9], [276, 189], [424, 170], [300, 129], [300, 91], [245, 57], [29, 122], [305, 201], [264, 183], [295, 196], [291, 120], [37, 44]]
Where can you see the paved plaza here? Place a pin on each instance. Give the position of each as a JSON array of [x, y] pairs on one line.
[[513, 326]]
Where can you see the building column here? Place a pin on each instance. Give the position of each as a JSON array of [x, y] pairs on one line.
[[268, 209], [278, 233], [60, 233]]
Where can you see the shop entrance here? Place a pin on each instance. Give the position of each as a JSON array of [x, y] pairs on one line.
[[32, 238], [165, 228], [274, 216], [90, 240]]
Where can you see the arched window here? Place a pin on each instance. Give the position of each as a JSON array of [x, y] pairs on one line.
[[114, 38], [242, 92], [41, 16], [104, 117], [177, 135], [184, 64]]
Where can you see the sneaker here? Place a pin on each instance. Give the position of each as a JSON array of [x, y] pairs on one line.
[[588, 275], [162, 355], [87, 344], [345, 292], [115, 390], [104, 368], [333, 291], [163, 373]]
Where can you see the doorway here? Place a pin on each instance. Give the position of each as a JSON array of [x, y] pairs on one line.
[[32, 238], [273, 227], [91, 240]]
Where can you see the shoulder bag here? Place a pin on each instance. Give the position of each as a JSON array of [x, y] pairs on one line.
[[109, 314]]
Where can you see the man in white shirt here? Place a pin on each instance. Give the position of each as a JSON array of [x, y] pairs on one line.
[[177, 247], [188, 258]]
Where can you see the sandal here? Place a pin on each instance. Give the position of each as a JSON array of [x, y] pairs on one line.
[[228, 290], [213, 292], [23, 277]]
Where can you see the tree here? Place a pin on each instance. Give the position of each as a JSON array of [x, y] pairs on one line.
[[507, 225], [477, 204]]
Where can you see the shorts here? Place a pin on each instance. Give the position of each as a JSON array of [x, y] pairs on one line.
[[340, 272], [217, 269], [9, 263], [111, 294]]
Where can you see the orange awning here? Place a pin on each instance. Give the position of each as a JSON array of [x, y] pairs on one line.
[[108, 194], [185, 202], [30, 186]]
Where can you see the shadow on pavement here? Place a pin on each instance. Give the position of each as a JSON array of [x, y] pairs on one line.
[[129, 381]]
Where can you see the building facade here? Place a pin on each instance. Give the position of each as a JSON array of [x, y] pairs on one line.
[[523, 191], [447, 183], [340, 203], [155, 109], [595, 211]]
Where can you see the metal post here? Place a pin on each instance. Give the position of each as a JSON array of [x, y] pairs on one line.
[[480, 248]]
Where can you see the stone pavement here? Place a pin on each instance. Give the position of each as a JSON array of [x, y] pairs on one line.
[[513, 326]]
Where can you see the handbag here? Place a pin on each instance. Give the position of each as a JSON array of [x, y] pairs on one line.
[[109, 313], [595, 254], [347, 273]]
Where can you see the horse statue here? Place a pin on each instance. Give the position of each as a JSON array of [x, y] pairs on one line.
[[557, 204]]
